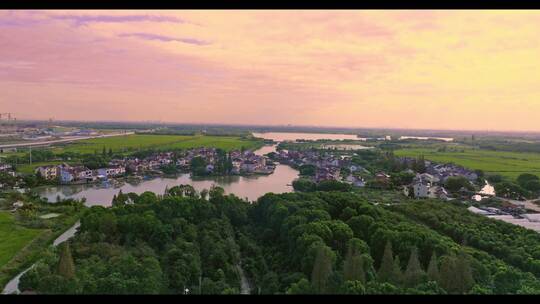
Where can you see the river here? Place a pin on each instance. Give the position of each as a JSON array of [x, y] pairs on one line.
[[447, 139], [285, 136], [246, 187]]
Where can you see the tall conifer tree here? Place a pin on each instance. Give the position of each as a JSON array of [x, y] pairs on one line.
[[66, 267], [433, 269], [414, 274], [322, 268], [387, 264]]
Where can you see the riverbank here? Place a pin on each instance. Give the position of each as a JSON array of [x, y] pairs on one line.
[[250, 187]]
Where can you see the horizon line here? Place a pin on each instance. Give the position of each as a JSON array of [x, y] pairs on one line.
[[283, 125]]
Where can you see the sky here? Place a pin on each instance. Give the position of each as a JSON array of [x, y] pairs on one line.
[[460, 70]]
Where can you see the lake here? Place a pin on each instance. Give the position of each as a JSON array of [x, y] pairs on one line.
[[426, 138], [250, 187], [285, 136], [345, 147]]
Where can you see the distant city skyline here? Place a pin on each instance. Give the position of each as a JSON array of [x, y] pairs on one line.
[[398, 69]]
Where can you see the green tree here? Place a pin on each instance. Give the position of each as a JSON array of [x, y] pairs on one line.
[[419, 165], [414, 274], [510, 190], [216, 193], [66, 266], [303, 185], [506, 280], [524, 178], [464, 272], [307, 170], [353, 267], [354, 287], [204, 194], [198, 166], [455, 183], [433, 269], [300, 287], [532, 185], [397, 274], [449, 278], [333, 185], [456, 274], [322, 268], [386, 267]]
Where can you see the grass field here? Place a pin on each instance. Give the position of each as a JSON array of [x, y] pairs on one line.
[[143, 141], [508, 164], [132, 143], [13, 237]]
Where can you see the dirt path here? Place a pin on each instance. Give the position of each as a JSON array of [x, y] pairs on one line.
[[244, 284]]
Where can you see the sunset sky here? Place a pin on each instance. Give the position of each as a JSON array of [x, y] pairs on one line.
[[398, 69]]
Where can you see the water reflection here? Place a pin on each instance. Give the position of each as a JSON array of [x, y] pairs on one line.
[[248, 187], [426, 138], [285, 136]]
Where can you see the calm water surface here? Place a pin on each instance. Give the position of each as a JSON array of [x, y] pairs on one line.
[[250, 187], [426, 138], [285, 136], [346, 147]]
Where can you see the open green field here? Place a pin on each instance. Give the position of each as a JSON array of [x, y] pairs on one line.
[[143, 141], [132, 143], [508, 164], [13, 237]]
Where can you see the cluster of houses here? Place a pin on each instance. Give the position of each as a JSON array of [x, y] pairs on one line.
[[327, 166], [429, 184], [7, 168], [245, 162], [426, 185], [242, 162], [248, 162], [78, 174], [443, 171], [140, 165]]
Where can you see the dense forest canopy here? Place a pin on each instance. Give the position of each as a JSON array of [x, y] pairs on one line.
[[294, 243]]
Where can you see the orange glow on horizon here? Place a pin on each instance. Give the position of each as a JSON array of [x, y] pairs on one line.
[[475, 69]]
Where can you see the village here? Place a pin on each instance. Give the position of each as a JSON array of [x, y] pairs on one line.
[[241, 163], [327, 165], [330, 167]]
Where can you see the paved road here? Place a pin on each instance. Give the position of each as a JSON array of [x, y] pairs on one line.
[[50, 142]]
